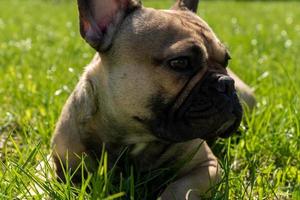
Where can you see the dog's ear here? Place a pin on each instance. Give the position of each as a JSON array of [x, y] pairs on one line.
[[192, 5], [99, 19]]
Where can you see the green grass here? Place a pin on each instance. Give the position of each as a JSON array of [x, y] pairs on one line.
[[42, 56]]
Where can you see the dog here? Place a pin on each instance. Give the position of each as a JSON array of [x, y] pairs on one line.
[[159, 85]]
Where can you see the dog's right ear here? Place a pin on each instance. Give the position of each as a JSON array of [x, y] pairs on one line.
[[99, 20], [191, 5]]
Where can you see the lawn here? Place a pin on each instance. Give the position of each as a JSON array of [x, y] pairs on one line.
[[42, 56]]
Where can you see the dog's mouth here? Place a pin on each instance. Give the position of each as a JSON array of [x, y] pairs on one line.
[[210, 110]]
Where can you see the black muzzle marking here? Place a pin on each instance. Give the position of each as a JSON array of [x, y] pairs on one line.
[[207, 108]]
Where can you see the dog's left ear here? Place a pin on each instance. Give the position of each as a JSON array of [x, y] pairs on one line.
[[99, 20], [192, 5]]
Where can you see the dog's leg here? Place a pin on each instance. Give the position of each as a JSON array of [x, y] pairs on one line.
[[244, 91], [199, 180], [67, 149]]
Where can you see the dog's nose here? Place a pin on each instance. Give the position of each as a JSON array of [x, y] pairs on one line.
[[225, 85]]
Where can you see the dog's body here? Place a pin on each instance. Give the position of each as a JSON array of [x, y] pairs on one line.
[[160, 84]]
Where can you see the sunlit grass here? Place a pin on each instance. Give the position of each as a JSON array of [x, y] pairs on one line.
[[42, 56]]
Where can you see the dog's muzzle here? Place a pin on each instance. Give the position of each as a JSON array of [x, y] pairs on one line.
[[207, 108]]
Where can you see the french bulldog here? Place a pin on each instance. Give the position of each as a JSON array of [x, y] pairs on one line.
[[159, 85]]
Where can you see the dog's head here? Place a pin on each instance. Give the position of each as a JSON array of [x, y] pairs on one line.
[[165, 69]]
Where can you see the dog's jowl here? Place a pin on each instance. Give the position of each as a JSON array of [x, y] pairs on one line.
[[158, 85]]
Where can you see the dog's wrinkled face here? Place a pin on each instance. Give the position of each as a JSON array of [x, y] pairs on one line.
[[166, 73]]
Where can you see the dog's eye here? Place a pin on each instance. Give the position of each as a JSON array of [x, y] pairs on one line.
[[179, 64], [226, 60]]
